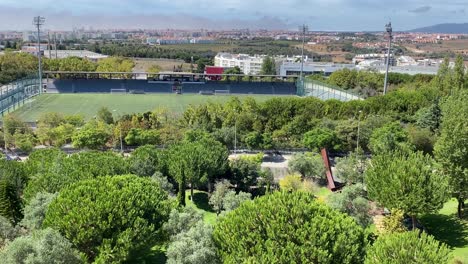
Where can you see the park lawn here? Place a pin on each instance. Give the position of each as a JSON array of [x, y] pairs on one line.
[[201, 203], [445, 226], [88, 104]]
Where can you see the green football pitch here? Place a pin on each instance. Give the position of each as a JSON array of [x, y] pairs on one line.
[[88, 104]]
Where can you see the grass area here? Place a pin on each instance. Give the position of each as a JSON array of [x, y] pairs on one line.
[[200, 202], [445, 226], [88, 104]]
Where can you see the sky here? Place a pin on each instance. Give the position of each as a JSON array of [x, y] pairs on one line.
[[319, 15]]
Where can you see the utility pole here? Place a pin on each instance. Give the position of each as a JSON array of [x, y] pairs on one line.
[[48, 45], [389, 30], [38, 22], [55, 45], [303, 29]]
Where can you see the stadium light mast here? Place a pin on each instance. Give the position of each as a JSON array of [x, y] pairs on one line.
[[38, 22], [388, 28], [303, 29]]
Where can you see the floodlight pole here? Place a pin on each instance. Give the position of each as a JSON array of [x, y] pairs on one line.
[[389, 30], [303, 28], [38, 22]]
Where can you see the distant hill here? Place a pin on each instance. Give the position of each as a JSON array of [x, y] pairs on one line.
[[448, 28]]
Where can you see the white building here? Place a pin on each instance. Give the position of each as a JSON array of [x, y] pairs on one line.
[[85, 54], [247, 64], [294, 68], [406, 61]]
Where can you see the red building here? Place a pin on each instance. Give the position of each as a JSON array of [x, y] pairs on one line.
[[212, 71]]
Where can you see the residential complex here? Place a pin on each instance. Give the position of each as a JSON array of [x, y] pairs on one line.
[[247, 64]]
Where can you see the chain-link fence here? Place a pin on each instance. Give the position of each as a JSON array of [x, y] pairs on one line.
[[323, 91], [16, 94]]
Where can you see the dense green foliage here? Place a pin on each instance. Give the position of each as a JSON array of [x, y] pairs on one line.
[[15, 174], [110, 219], [225, 199], [196, 161], [451, 148], [15, 66], [42, 247], [193, 247], [35, 211], [288, 228], [146, 161], [94, 135], [351, 168], [245, 172], [182, 220], [268, 66], [8, 232], [56, 171], [406, 181], [352, 201], [407, 247], [10, 204], [367, 83], [309, 165], [390, 137], [320, 138]]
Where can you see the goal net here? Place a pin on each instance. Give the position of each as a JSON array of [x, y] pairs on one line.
[[118, 91], [222, 92]]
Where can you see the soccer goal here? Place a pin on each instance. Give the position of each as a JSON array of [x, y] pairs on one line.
[[118, 91], [222, 92]]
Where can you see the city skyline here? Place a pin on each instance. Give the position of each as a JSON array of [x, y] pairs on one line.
[[320, 15]]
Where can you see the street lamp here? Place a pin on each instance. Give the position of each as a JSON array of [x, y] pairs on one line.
[[388, 28]]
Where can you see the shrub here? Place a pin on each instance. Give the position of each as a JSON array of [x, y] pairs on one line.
[[408, 247], [42, 247]]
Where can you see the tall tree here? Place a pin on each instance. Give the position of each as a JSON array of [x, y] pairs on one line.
[[451, 147], [110, 219], [309, 165], [459, 73], [444, 77], [288, 228], [408, 181], [268, 66]]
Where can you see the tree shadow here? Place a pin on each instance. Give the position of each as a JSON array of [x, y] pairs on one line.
[[447, 228], [154, 257], [201, 201]]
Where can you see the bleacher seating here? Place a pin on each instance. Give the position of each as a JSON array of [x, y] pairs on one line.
[[105, 86]]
